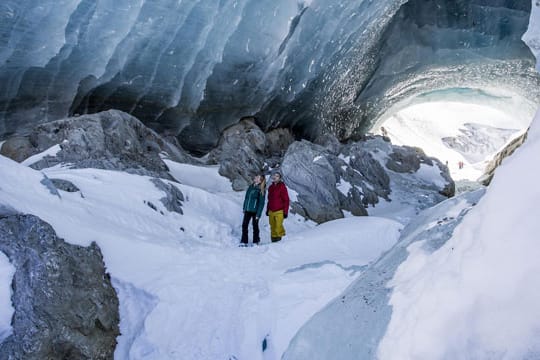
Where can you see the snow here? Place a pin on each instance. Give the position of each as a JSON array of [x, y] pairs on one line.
[[344, 186], [6, 309], [430, 174], [186, 290], [203, 177], [478, 295], [481, 129], [52, 151]]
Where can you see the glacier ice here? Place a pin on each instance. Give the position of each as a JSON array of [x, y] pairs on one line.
[[192, 68]]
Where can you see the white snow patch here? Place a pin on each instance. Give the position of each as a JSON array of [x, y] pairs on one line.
[[202, 177], [52, 151], [430, 174], [344, 186], [6, 307]]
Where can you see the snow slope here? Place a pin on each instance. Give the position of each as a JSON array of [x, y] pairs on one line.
[[186, 290], [478, 296]]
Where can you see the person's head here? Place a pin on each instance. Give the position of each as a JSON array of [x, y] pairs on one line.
[[276, 177], [260, 180], [257, 179]]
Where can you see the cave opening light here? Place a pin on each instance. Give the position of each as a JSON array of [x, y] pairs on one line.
[[464, 128]]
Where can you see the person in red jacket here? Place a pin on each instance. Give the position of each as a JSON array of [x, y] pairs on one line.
[[278, 206]]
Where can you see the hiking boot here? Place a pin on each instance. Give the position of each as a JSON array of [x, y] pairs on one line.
[[276, 239], [242, 244]]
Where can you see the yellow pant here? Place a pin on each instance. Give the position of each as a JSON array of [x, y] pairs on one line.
[[276, 223]]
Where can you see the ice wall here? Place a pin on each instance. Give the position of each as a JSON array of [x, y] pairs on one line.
[[191, 68]]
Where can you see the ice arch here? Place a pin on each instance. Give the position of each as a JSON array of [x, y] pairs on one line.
[[191, 68]]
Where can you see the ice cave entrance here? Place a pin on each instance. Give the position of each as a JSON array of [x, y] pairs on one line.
[[464, 131]]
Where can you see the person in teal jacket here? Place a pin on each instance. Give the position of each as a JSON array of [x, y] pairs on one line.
[[253, 207]]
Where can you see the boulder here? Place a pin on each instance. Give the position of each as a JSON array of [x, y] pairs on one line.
[[307, 169], [17, 148], [240, 153], [361, 175], [65, 305], [111, 140]]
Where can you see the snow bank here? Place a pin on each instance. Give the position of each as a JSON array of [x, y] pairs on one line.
[[478, 296], [6, 309]]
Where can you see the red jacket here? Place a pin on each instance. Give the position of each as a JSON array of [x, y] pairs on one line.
[[278, 198]]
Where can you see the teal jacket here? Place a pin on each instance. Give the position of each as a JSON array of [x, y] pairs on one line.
[[254, 200]]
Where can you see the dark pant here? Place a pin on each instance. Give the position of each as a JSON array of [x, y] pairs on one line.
[[245, 224]]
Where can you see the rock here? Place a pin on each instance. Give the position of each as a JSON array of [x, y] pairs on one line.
[[173, 198], [368, 173], [111, 140], [240, 153], [330, 142], [328, 184], [361, 175], [64, 185], [50, 186], [17, 148], [277, 142], [508, 150], [65, 305], [307, 169], [405, 159]]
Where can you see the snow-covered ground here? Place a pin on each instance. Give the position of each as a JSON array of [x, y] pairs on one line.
[[474, 133], [186, 290], [6, 309], [478, 296]]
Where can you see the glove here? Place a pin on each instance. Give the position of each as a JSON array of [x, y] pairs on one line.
[[285, 216]]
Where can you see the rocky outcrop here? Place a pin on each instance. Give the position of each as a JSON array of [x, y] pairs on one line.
[[361, 175], [497, 160], [65, 305], [110, 140], [173, 196], [17, 148], [244, 150], [330, 177], [240, 153], [407, 159], [308, 169]]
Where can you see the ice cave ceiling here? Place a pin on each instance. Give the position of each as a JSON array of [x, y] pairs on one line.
[[191, 68]]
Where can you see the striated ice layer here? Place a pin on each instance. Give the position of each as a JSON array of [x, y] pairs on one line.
[[191, 68]]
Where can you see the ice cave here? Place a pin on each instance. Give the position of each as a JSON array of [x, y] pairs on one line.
[[399, 110]]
